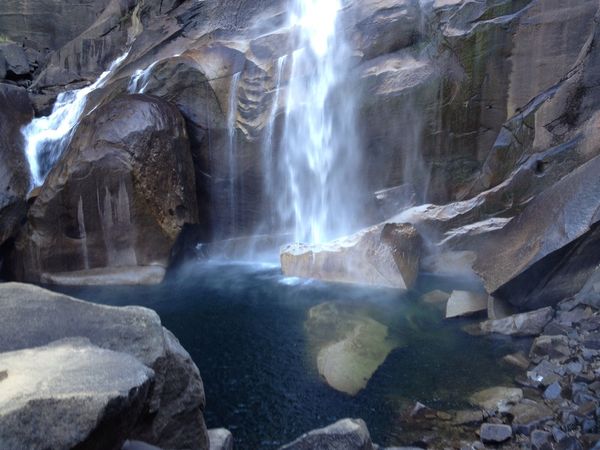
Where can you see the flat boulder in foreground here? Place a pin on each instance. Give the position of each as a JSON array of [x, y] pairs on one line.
[[172, 416], [384, 255], [75, 395]]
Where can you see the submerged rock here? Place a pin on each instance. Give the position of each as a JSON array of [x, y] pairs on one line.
[[384, 255], [350, 346], [497, 399], [172, 415], [528, 414], [75, 395], [117, 198], [347, 434]]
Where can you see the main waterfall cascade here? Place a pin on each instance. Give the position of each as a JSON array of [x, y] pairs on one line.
[[47, 137], [320, 150], [311, 167]]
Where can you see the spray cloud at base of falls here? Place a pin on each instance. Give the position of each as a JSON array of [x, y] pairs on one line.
[[47, 137]]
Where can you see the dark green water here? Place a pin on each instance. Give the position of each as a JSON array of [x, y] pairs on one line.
[[244, 327]]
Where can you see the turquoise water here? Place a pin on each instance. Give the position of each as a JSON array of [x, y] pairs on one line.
[[244, 326]]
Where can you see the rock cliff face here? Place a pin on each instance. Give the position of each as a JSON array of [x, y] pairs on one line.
[[476, 107]]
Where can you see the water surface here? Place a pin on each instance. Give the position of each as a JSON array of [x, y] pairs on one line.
[[244, 327]]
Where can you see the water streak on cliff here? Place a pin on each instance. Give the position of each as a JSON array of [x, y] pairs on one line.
[[47, 137]]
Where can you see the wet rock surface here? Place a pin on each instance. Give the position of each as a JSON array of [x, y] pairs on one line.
[[121, 193]]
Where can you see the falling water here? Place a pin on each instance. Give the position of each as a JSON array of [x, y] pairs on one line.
[[232, 147], [268, 144], [139, 80], [320, 149], [47, 137]]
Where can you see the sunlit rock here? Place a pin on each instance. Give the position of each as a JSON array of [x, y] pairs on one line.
[[385, 255], [463, 303], [497, 399], [349, 346], [96, 396], [347, 434], [173, 414]]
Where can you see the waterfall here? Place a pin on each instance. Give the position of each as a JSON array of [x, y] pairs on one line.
[[268, 145], [139, 80], [320, 152], [231, 150], [47, 137]]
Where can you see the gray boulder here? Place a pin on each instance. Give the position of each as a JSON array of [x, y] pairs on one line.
[[492, 433], [70, 394], [534, 242], [347, 434], [524, 324], [14, 60], [117, 198], [172, 417]]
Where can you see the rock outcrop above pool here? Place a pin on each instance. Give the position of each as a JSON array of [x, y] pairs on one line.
[[118, 197], [166, 404], [384, 255]]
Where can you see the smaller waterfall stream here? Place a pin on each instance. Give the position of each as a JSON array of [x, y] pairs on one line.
[[232, 112], [268, 146], [47, 137]]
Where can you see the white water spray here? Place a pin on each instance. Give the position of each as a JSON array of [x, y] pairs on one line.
[[320, 154], [47, 137]]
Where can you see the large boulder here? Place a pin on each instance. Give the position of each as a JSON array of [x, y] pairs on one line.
[[348, 434], [537, 243], [118, 197], [172, 416], [13, 61], [384, 255], [15, 112], [525, 324], [77, 395]]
